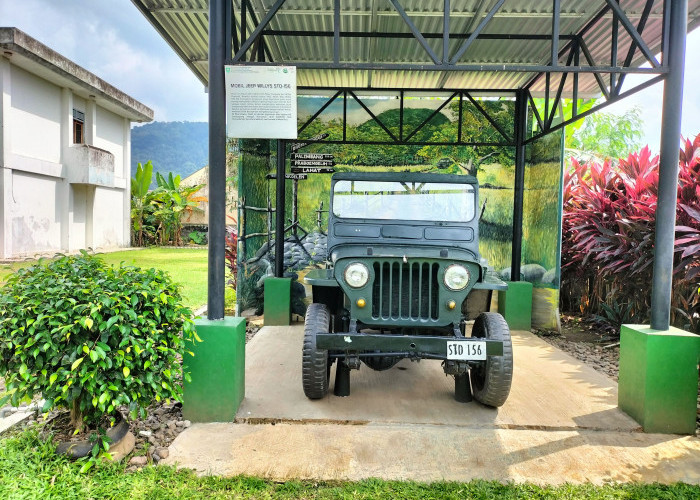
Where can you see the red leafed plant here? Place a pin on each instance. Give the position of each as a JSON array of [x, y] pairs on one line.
[[231, 252], [608, 238]]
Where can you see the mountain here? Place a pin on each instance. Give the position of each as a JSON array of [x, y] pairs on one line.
[[178, 147]]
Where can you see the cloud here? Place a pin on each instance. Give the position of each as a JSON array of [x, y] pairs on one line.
[[113, 40]]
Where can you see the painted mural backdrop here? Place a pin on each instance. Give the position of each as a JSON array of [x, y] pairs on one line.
[[307, 199]]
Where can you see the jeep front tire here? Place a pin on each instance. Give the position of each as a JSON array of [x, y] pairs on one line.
[[315, 362]]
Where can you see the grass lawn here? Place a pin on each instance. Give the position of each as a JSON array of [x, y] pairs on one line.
[[30, 469], [187, 266]]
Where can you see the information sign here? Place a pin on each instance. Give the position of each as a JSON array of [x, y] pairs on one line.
[[261, 102]]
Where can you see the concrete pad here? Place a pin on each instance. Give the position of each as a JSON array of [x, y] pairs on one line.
[[430, 453], [550, 390], [560, 424]]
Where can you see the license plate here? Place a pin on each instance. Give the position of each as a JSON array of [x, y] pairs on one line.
[[466, 351]]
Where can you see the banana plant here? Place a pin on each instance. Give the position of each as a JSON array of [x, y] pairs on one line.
[[140, 185]]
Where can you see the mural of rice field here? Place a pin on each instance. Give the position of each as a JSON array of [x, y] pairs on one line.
[[307, 199]]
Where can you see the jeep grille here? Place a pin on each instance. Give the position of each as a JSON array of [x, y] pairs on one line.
[[405, 290]]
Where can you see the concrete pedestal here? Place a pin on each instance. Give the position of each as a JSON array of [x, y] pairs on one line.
[[217, 371], [278, 301], [515, 305], [658, 384]]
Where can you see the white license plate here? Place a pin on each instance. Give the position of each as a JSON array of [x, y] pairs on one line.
[[466, 351]]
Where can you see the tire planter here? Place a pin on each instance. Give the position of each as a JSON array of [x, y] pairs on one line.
[[80, 449]]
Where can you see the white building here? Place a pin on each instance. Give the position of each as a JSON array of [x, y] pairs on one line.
[[65, 152]]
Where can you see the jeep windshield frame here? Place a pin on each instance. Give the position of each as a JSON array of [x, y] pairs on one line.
[[404, 200], [370, 228]]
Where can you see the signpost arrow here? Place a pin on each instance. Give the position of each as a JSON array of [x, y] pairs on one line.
[[313, 163], [297, 145], [294, 177], [313, 170], [311, 156]]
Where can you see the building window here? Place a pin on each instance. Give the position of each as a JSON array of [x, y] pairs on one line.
[[78, 127]]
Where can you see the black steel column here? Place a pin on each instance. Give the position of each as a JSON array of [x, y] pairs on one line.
[[217, 159], [668, 168], [279, 209], [519, 187]]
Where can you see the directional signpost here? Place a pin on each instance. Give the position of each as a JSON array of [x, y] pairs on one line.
[[303, 164], [312, 163], [297, 145]]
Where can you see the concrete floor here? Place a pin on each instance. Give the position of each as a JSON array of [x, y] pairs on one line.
[[560, 424]]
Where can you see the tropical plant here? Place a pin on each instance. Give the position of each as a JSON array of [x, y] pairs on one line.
[[173, 203], [157, 215], [608, 236], [140, 185], [198, 237], [92, 338]]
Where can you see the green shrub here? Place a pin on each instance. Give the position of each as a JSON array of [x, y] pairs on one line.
[[198, 237], [90, 337]]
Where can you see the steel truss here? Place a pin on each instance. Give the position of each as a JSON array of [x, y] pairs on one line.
[[253, 48], [230, 43], [405, 137]]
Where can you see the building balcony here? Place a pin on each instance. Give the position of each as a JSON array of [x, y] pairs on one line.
[[89, 165]]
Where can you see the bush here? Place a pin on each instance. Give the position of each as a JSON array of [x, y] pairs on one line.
[[608, 237], [90, 337]]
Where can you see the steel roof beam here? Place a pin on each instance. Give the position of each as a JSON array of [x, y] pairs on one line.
[[416, 33], [490, 120], [369, 111], [556, 12], [476, 32], [613, 99], [498, 68], [389, 13], [636, 35], [589, 58], [258, 30], [431, 116], [630, 52]]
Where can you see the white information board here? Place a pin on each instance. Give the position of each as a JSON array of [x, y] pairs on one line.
[[261, 102]]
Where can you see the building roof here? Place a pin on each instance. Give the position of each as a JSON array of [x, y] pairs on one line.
[[33, 56], [301, 33]]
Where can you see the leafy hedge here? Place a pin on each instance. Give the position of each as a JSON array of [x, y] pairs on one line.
[[91, 337], [608, 238]]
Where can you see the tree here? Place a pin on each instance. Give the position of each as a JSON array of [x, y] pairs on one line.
[[606, 135]]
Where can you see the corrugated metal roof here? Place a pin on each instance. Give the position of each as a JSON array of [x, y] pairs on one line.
[[184, 25]]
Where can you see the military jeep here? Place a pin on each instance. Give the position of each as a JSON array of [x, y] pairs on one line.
[[405, 280]]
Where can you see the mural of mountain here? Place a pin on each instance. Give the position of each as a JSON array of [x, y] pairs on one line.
[[178, 147], [412, 118]]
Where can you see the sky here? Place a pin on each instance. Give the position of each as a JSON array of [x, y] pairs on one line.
[[112, 39]]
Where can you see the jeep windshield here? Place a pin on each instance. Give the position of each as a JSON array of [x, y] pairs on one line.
[[419, 201]]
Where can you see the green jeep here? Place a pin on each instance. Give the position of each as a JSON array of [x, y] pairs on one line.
[[404, 277]]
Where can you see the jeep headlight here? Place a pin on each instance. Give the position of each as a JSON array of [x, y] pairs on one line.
[[456, 277], [356, 275]]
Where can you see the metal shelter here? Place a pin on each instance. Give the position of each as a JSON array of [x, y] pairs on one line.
[[536, 49]]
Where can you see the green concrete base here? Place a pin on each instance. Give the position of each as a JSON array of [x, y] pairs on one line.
[[217, 371], [278, 301], [515, 305], [658, 384]]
